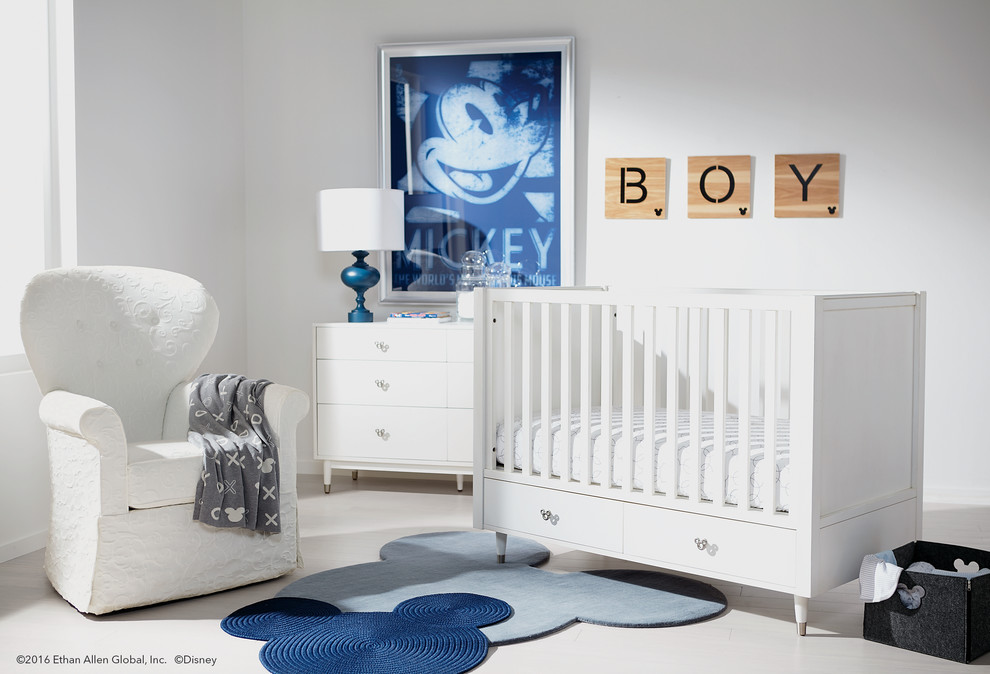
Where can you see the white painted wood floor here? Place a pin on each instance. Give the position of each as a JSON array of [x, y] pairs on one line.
[[756, 634]]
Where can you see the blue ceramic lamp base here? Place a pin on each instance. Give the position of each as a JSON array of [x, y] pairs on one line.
[[359, 277]]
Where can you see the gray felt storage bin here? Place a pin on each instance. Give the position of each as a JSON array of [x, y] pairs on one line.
[[953, 621]]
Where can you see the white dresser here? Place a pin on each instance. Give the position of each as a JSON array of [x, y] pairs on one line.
[[394, 396]]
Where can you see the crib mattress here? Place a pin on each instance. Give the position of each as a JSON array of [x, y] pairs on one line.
[[685, 456]]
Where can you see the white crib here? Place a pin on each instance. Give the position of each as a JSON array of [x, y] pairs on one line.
[[829, 387]]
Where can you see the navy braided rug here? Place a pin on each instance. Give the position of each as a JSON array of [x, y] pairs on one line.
[[435, 634], [357, 618]]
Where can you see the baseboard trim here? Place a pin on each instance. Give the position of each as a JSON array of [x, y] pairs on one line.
[[309, 468], [9, 551], [957, 496]]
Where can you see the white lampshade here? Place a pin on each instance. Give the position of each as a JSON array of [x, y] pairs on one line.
[[361, 218]]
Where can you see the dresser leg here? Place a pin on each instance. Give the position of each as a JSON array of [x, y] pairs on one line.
[[326, 477], [353, 474], [500, 543], [801, 614], [460, 483]]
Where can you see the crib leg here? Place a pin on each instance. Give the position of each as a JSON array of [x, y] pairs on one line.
[[500, 541], [801, 614]]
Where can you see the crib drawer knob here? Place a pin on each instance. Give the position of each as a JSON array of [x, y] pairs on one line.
[[703, 544], [382, 346], [382, 384], [383, 434], [550, 517]]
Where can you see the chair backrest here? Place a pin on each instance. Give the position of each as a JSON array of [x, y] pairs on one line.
[[125, 336]]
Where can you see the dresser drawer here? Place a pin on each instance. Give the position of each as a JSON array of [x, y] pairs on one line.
[[584, 520], [730, 548], [460, 385], [396, 433], [376, 342], [460, 346], [460, 443], [393, 396], [350, 382]]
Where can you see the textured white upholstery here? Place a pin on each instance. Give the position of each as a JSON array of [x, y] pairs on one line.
[[124, 338], [113, 350], [159, 473]]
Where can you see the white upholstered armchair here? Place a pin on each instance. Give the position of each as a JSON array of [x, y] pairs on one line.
[[114, 350]]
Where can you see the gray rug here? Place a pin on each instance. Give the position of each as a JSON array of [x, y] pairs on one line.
[[542, 601]]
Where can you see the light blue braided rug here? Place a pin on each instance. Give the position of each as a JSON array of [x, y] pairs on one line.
[[542, 601]]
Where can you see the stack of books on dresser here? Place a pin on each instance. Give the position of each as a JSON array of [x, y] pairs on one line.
[[420, 317]]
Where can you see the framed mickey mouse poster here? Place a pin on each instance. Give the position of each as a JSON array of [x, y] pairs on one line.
[[479, 136]]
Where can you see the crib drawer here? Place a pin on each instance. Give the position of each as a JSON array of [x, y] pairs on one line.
[[573, 518], [721, 547]]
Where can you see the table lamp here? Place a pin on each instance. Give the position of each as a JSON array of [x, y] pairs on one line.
[[361, 219]]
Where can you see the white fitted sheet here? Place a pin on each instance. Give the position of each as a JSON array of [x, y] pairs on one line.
[[685, 457]]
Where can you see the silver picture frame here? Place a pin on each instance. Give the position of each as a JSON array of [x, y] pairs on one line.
[[480, 137]]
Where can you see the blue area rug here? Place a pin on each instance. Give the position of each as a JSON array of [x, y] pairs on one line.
[[542, 602]]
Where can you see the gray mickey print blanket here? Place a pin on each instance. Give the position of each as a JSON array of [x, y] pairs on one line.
[[239, 483]]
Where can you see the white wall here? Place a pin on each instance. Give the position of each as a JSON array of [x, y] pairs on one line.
[[160, 160], [898, 87], [160, 182], [205, 130], [25, 459]]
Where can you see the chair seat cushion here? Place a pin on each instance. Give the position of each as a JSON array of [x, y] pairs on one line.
[[162, 473]]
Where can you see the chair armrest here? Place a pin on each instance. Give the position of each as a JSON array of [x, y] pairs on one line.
[[176, 424], [88, 435], [285, 407]]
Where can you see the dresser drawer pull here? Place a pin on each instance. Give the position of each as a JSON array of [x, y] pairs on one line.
[[703, 544], [383, 434], [382, 346], [550, 517], [382, 384]]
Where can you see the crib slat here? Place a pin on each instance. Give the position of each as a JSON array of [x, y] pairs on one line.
[[650, 400], [526, 385], [584, 394], [628, 400], [695, 393], [605, 358], [768, 471], [546, 394], [706, 403], [745, 355], [489, 462], [673, 401], [508, 401], [566, 444], [718, 357]]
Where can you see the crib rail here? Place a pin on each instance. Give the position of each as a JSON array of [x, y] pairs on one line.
[[705, 359]]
